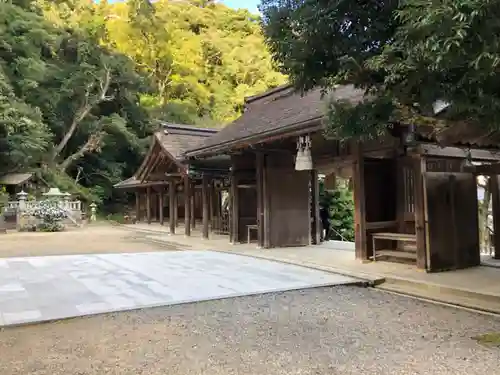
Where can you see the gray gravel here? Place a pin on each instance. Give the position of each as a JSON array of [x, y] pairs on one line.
[[340, 330]]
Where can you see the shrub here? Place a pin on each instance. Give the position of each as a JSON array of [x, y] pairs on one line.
[[50, 214], [341, 209]]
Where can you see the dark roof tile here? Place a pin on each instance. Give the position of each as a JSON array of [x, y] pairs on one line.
[[277, 109]]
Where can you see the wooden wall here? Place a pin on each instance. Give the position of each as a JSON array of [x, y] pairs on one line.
[[272, 196], [451, 210], [289, 207]]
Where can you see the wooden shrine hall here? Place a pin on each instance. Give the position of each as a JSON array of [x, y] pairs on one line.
[[414, 188], [166, 188]]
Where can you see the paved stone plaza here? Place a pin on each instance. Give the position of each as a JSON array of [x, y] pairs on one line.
[[37, 289]]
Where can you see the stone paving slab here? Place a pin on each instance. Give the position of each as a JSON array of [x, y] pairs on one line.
[[35, 289]]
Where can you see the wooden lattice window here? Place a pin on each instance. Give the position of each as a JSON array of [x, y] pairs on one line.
[[409, 190]]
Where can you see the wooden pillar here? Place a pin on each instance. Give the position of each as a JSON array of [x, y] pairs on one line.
[[154, 206], [419, 170], [193, 205], [171, 206], [315, 237], [137, 206], [205, 203], [358, 180], [400, 195], [176, 206], [259, 169], [266, 200], [495, 203], [187, 206], [160, 205], [234, 210], [148, 204]]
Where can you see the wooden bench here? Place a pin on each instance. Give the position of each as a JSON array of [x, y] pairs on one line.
[[398, 237], [250, 228]]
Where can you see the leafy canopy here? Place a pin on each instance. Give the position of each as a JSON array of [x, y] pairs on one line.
[[406, 55]]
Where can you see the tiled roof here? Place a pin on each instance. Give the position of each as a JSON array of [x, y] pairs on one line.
[[273, 111], [15, 178], [175, 139]]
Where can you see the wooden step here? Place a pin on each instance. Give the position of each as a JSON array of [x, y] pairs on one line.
[[396, 254], [395, 236]]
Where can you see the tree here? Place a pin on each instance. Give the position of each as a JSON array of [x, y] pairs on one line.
[[406, 55], [202, 57], [82, 81], [64, 98], [341, 211]]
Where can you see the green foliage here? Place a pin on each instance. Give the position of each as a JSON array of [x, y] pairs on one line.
[[202, 60], [341, 209], [81, 83], [404, 54]]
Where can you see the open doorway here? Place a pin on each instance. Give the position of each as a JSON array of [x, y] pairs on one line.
[[336, 208]]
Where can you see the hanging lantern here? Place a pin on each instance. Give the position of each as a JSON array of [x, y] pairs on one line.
[[303, 161]]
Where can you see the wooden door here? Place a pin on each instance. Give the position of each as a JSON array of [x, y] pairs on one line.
[[451, 221]]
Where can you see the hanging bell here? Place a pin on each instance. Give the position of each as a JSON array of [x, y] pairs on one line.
[[307, 160], [299, 160]]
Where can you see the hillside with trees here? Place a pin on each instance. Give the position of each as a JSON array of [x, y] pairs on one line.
[[82, 84]]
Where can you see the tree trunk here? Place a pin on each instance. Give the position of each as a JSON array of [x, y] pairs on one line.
[[89, 146], [81, 114]]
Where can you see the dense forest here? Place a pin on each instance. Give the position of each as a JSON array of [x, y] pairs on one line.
[[83, 84]]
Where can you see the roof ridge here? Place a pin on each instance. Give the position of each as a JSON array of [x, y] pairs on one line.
[[165, 126], [253, 98]]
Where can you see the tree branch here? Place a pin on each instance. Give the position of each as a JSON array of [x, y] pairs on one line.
[[93, 143], [87, 106]]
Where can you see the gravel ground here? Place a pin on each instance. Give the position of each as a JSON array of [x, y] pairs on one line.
[[341, 330], [99, 239]]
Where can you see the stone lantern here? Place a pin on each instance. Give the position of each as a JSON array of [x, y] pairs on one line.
[[93, 210], [22, 196]]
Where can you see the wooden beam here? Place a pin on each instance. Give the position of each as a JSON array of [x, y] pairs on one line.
[[205, 202], [456, 152], [247, 186], [420, 230], [259, 170], [171, 203], [187, 206], [484, 169], [148, 204], [155, 156], [193, 205], [266, 202], [495, 202], [137, 205], [359, 204], [176, 207], [160, 206], [315, 233], [234, 210]]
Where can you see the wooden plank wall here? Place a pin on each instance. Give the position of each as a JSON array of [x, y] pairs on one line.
[[288, 199], [452, 221]]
